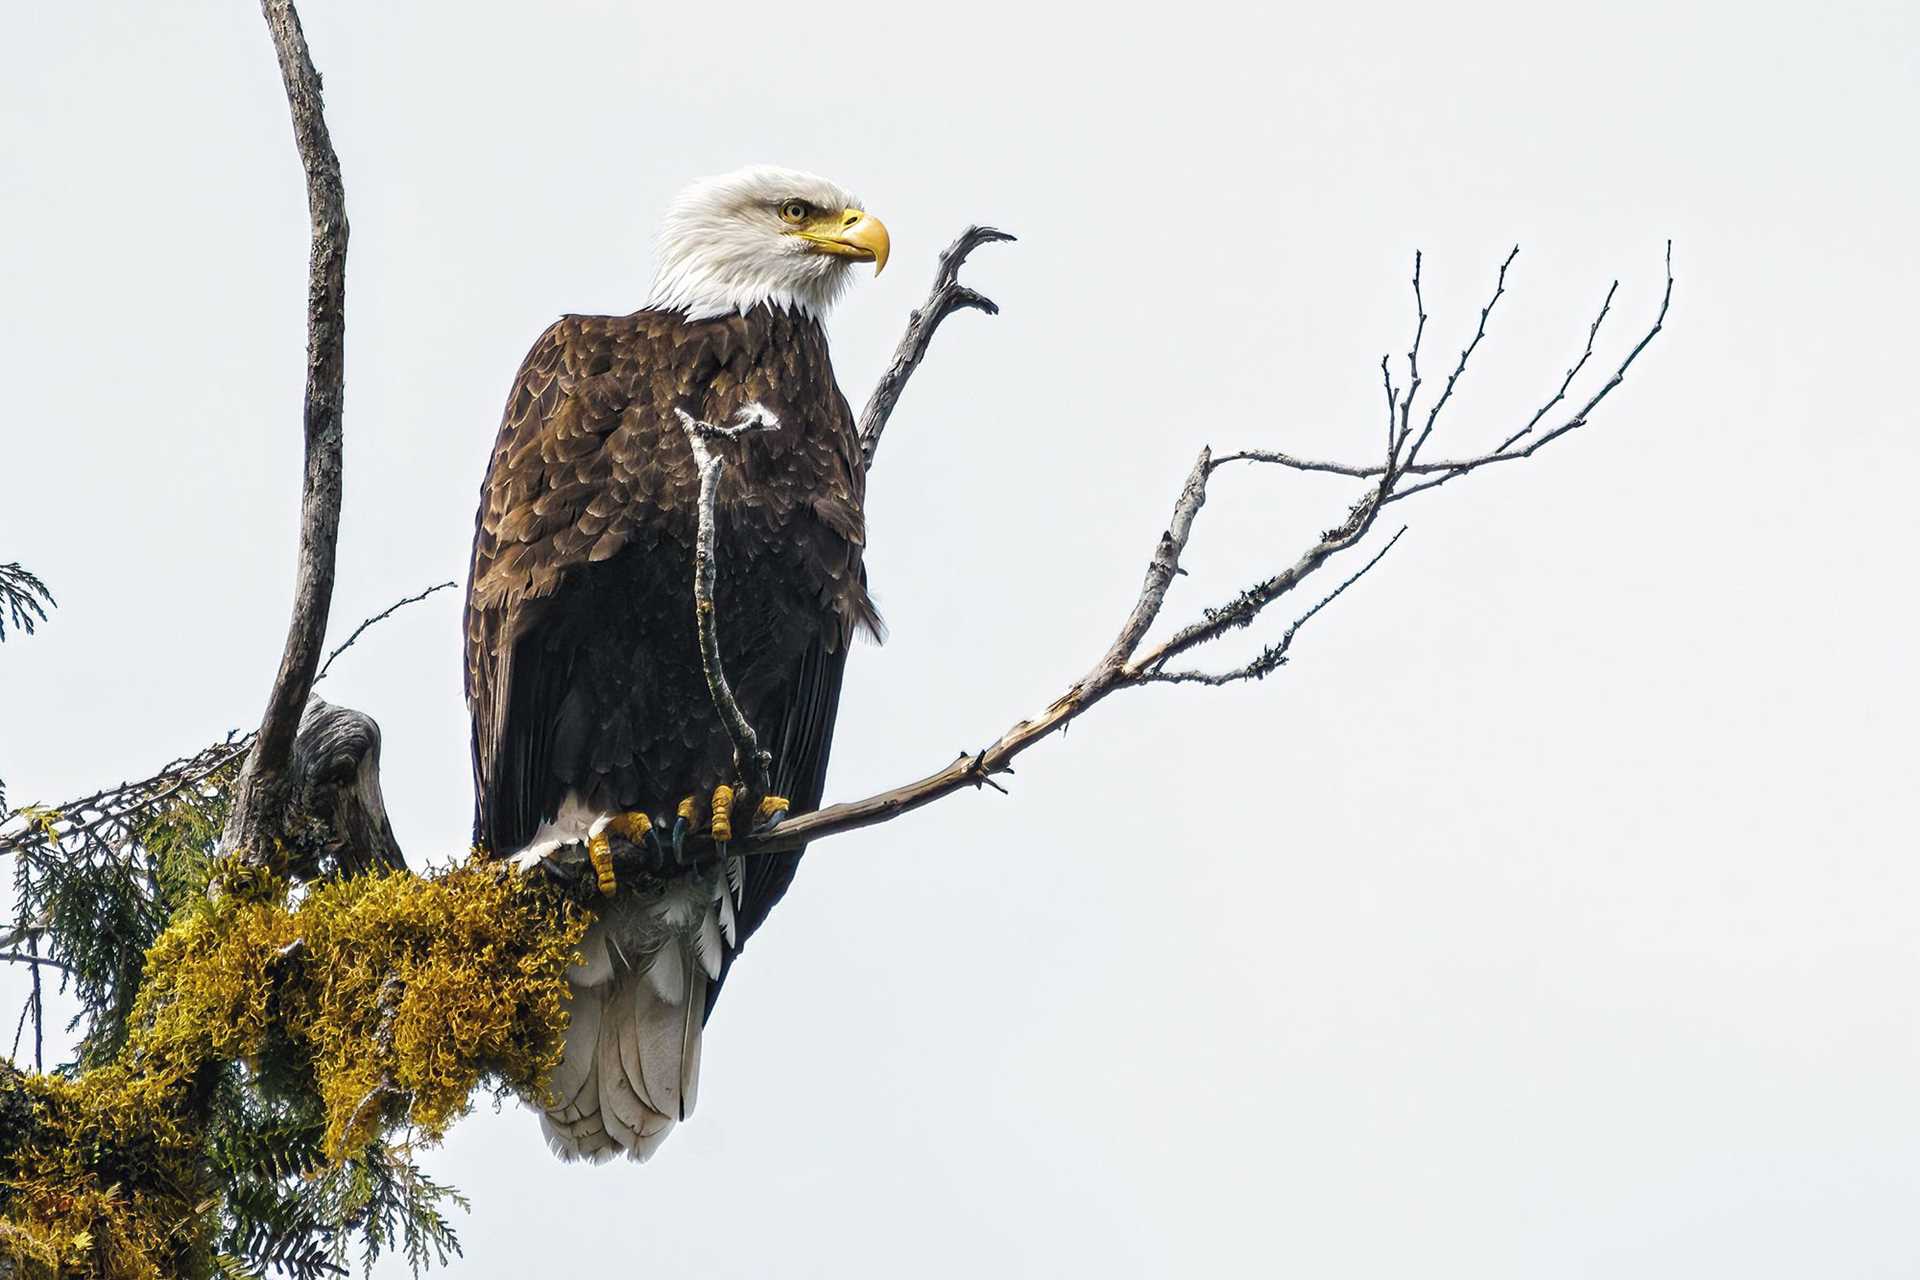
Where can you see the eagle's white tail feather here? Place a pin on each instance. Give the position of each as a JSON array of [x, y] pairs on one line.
[[623, 1107], [658, 1026], [575, 1072], [572, 1124], [630, 1068], [710, 941], [692, 1014], [668, 973]]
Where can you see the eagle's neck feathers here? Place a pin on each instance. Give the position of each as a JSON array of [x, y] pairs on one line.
[[703, 286]]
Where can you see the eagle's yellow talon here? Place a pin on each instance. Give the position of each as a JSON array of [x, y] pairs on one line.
[[771, 805], [634, 826], [722, 813], [601, 855]]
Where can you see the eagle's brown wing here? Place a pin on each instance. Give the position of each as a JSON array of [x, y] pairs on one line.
[[582, 671], [552, 502], [800, 750]]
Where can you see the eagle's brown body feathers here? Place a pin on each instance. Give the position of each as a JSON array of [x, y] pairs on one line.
[[583, 672]]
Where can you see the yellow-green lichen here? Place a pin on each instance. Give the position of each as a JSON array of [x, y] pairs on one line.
[[388, 998]]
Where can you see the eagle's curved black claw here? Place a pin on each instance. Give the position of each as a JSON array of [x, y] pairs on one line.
[[770, 814], [687, 820]]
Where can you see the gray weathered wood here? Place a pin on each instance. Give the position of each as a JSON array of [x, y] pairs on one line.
[[260, 797], [752, 765], [336, 819]]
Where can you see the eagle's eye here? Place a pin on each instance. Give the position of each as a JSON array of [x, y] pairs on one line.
[[795, 211]]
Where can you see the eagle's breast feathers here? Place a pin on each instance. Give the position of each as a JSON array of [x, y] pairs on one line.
[[591, 456]]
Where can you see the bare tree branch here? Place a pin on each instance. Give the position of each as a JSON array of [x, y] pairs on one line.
[[751, 765], [1399, 442], [1121, 668], [381, 616], [1116, 669], [1164, 565], [1274, 656], [1506, 453], [980, 768], [260, 796], [1446, 394], [1593, 332], [1393, 402], [947, 296], [1452, 468]]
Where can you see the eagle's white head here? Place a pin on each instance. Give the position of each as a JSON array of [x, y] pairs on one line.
[[762, 235]]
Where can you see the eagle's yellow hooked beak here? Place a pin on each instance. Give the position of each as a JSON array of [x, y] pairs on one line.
[[850, 233]]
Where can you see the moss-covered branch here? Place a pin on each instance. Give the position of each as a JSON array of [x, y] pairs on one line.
[[345, 1014]]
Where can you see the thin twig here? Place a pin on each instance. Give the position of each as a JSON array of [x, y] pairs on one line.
[[1393, 401], [1274, 656], [23, 957], [1452, 468], [20, 1028], [39, 1018], [1579, 419], [752, 766], [1359, 471], [1413, 368], [947, 296], [1560, 393], [124, 805], [1249, 604], [381, 616], [1446, 393]]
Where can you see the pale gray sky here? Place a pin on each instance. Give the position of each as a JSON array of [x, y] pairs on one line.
[[1552, 915]]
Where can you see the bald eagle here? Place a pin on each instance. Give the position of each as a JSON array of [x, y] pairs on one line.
[[583, 675]]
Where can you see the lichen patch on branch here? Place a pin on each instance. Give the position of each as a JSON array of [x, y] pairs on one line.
[[384, 1000]]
